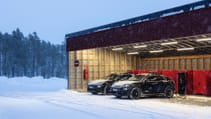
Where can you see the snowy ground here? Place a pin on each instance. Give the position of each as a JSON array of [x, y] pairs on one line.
[[35, 98]]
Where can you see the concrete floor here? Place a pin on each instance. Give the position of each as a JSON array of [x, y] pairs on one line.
[[189, 100], [199, 100]]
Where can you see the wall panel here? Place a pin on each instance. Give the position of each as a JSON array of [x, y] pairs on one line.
[[100, 62], [174, 63]]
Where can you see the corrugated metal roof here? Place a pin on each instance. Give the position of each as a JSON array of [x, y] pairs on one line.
[[164, 13]]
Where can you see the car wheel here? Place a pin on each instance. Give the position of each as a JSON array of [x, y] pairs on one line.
[[118, 96], [94, 93], [135, 93], [169, 92], [105, 90]]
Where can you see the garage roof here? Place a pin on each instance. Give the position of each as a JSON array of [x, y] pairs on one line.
[[164, 13], [187, 24]]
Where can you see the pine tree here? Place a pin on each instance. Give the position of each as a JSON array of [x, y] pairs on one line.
[[30, 56]]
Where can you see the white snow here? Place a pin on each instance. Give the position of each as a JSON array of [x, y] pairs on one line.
[[35, 98], [172, 13], [199, 7], [142, 20], [17, 85]]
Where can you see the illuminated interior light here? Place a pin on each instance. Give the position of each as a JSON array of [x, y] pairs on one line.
[[156, 51], [133, 53], [203, 39], [117, 49], [183, 49], [170, 43], [140, 46]]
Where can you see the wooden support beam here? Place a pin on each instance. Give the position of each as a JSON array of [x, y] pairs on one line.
[[179, 66], [82, 67], [99, 59], [210, 64], [110, 61], [191, 64], [185, 63], [104, 59], [202, 63]]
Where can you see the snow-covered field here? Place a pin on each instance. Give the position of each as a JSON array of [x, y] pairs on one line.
[[36, 98]]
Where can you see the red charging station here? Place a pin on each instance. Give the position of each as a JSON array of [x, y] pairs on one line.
[[198, 81], [202, 82]]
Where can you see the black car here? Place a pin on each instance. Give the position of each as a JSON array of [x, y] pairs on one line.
[[103, 86], [142, 85]]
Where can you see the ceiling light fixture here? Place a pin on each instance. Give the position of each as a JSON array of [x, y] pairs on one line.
[[117, 49], [169, 43], [133, 53], [203, 39], [140, 46], [156, 51], [183, 49]]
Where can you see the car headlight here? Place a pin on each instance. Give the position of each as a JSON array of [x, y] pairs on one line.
[[126, 87], [99, 86]]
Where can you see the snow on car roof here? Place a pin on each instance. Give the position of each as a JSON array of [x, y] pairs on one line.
[[145, 74]]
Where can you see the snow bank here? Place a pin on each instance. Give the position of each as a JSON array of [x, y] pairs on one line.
[[25, 84]]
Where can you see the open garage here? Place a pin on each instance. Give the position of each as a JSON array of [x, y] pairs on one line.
[[172, 41]]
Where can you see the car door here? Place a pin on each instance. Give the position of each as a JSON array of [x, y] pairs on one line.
[[154, 84], [148, 87]]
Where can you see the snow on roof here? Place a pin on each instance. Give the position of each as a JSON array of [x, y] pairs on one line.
[[164, 13]]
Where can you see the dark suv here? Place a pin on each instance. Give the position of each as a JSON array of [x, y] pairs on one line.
[[103, 86], [149, 84]]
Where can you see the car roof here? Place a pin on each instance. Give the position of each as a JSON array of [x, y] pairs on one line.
[[148, 74], [145, 74]]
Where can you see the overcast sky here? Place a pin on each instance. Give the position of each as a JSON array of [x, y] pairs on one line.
[[52, 19]]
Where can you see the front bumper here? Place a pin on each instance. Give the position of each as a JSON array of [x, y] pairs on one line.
[[119, 91], [94, 89]]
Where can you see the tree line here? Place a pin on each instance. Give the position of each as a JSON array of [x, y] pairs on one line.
[[29, 56]]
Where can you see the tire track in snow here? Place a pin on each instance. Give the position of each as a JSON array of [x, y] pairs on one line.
[[58, 104], [100, 116], [66, 104], [69, 104], [71, 100]]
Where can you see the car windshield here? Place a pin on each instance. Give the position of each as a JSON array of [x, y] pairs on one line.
[[124, 77], [111, 76], [137, 78], [117, 77]]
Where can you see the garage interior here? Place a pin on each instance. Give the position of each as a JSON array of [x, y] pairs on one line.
[[174, 39]]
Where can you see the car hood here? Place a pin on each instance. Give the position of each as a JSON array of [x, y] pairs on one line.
[[121, 83], [98, 82]]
